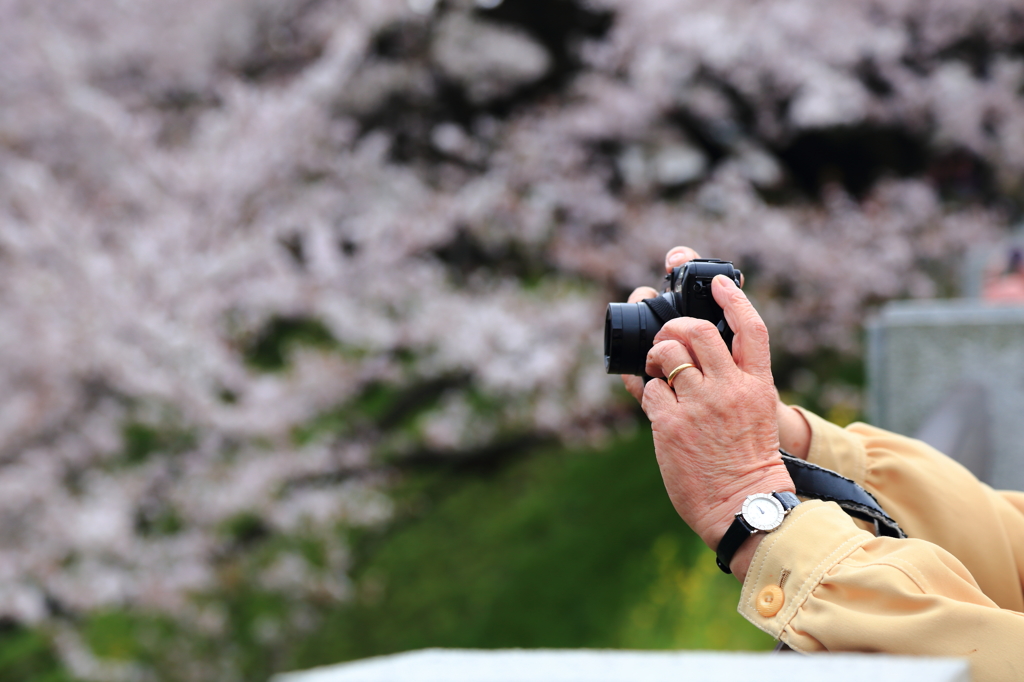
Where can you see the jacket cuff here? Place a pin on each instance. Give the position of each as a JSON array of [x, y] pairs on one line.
[[835, 448], [791, 561]]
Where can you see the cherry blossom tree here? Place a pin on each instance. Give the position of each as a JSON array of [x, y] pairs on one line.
[[228, 227]]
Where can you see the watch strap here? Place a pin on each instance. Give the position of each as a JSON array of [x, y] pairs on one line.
[[788, 500], [740, 530]]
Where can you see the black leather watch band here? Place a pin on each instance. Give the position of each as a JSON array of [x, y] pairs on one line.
[[740, 530], [818, 483]]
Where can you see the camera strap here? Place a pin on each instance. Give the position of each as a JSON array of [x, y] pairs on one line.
[[820, 483], [664, 310]]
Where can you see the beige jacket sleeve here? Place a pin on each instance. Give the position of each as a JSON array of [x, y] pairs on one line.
[[954, 588]]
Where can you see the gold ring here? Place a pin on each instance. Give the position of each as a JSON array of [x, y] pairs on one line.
[[677, 370]]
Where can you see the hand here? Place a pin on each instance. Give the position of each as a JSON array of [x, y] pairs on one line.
[[794, 432], [715, 432]]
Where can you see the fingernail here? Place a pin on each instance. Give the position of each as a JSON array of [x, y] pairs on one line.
[[677, 258], [726, 281]]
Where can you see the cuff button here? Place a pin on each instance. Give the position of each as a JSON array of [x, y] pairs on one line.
[[770, 600]]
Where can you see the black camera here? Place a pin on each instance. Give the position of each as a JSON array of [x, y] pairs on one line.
[[629, 328]]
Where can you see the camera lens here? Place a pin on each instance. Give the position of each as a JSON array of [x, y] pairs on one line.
[[629, 330]]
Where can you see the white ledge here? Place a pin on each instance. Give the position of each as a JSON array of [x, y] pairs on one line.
[[597, 665]]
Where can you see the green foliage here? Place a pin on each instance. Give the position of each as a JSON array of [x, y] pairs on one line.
[[162, 521], [394, 410], [560, 550], [826, 382], [269, 349], [142, 440], [117, 635], [685, 594], [27, 656], [171, 650], [246, 528], [257, 628]]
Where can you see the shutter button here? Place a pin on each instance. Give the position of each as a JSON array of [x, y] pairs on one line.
[[770, 600]]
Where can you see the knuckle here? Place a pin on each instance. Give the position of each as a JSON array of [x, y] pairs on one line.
[[704, 330], [757, 329], [649, 402], [657, 352], [683, 328], [676, 326], [671, 330]]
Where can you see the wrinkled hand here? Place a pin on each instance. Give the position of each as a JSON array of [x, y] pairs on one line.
[[716, 431], [794, 432]]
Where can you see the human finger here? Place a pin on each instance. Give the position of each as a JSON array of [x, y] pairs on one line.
[[751, 350], [635, 386], [641, 293], [704, 342], [794, 431], [657, 399], [671, 360], [679, 255]]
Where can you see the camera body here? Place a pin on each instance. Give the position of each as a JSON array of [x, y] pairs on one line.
[[629, 328]]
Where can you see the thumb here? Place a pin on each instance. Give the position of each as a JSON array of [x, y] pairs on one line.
[[750, 347]]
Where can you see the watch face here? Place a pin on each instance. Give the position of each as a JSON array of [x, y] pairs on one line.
[[763, 512]]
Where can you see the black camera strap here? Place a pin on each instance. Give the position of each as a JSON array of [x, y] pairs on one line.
[[664, 310], [820, 483]]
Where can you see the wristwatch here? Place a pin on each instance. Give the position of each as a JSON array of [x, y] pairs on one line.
[[761, 513]]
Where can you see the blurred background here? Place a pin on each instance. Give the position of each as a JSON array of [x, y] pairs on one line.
[[301, 301]]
